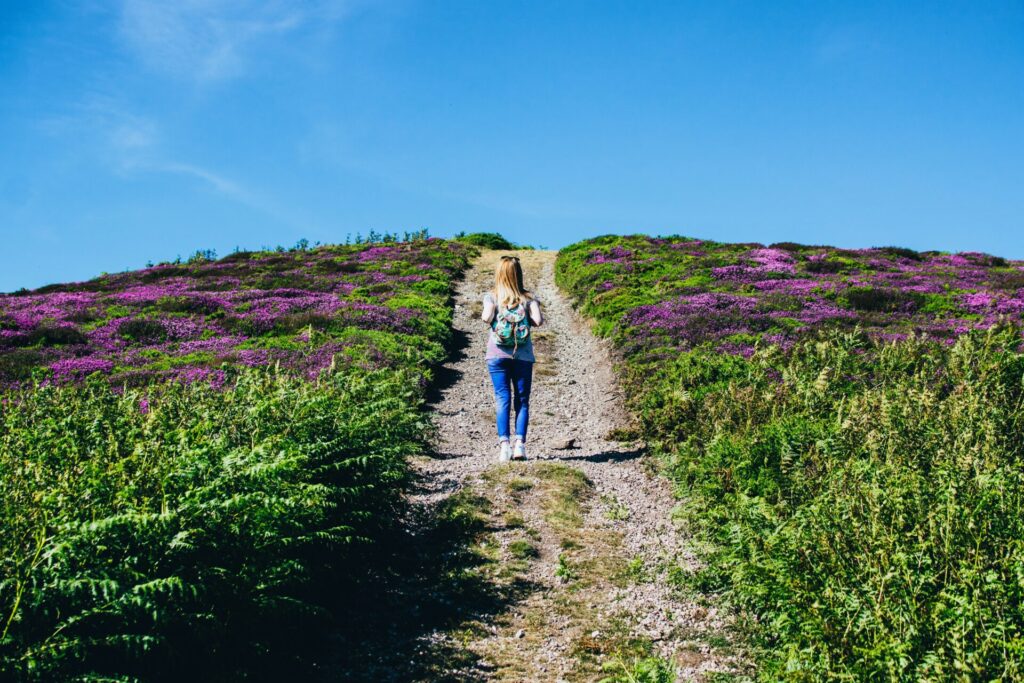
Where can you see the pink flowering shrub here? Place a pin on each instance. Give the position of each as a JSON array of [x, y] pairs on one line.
[[662, 293], [286, 309], [232, 521], [846, 431]]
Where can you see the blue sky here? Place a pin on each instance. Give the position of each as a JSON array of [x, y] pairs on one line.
[[139, 130]]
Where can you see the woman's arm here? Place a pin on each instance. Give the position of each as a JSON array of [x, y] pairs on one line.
[[533, 310], [488, 312]]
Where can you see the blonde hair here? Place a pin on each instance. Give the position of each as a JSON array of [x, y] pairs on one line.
[[508, 283]]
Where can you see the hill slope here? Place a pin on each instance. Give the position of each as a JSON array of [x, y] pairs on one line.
[[218, 526], [369, 305], [847, 428]]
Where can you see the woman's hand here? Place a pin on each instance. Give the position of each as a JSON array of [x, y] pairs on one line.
[[488, 313]]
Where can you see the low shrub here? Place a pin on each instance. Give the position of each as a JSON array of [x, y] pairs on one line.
[[18, 365], [487, 240], [220, 525], [855, 466], [825, 267], [143, 331], [864, 499], [901, 252], [880, 299], [113, 323], [187, 533]]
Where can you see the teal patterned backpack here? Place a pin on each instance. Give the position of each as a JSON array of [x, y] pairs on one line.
[[511, 326]]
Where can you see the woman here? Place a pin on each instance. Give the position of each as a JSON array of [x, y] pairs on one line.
[[511, 311]]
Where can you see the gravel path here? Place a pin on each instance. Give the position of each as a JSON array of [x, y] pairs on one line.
[[575, 396]]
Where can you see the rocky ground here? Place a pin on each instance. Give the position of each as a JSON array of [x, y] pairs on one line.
[[573, 553]]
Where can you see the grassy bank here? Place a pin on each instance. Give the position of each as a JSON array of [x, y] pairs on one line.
[[209, 520], [848, 437]]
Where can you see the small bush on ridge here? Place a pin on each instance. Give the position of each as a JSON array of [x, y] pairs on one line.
[[487, 240]]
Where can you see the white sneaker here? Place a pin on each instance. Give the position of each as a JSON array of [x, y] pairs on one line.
[[519, 452], [506, 453]]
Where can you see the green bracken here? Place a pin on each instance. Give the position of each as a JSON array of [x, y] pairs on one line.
[[168, 531], [185, 519], [862, 498]]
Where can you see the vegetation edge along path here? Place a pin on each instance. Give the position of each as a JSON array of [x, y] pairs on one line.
[[572, 554]]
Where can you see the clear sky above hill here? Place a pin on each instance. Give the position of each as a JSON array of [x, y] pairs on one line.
[[139, 130]]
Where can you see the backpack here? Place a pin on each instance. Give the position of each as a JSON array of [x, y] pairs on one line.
[[511, 326]]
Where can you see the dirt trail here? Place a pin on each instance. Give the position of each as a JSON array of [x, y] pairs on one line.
[[581, 540]]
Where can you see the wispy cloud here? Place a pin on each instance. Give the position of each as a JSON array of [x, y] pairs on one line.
[[229, 188], [100, 119], [211, 179], [132, 145], [151, 160], [213, 40]]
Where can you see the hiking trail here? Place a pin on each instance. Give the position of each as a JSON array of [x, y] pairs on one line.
[[568, 571]]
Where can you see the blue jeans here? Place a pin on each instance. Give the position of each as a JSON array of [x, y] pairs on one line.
[[518, 374]]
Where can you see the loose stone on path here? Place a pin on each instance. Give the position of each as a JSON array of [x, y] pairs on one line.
[[575, 405]]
